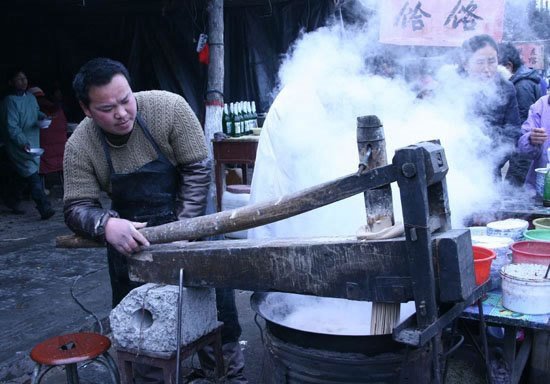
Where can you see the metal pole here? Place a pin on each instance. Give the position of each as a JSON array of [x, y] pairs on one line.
[[178, 333]]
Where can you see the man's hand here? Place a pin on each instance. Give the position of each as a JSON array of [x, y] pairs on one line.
[[124, 235], [538, 136]]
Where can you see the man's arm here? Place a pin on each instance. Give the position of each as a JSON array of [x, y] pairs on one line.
[[87, 218], [194, 181], [532, 132]]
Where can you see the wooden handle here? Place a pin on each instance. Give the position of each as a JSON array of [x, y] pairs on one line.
[[74, 241], [258, 214]]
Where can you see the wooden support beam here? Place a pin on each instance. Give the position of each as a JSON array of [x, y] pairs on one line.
[[331, 267]]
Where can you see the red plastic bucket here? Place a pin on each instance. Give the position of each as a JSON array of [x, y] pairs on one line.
[[483, 257], [532, 252]]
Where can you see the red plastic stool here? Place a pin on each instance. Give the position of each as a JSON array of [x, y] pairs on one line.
[[68, 350]]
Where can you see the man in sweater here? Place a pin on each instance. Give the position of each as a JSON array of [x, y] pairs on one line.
[[147, 151]]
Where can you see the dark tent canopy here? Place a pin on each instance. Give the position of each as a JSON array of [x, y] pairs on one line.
[[51, 39]]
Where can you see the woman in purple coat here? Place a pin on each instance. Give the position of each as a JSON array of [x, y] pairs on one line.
[[534, 137]]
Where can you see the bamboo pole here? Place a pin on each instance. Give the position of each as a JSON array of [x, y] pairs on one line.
[[257, 214]]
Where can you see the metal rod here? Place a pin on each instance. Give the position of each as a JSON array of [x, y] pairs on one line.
[[483, 334], [178, 333]]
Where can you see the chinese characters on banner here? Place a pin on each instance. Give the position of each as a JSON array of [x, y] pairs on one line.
[[532, 54], [439, 22]]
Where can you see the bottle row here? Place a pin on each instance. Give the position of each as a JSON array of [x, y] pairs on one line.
[[239, 118]]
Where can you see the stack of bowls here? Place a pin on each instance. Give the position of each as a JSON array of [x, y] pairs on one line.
[[501, 247]]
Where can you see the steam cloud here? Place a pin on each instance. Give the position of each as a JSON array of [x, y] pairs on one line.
[[309, 136]]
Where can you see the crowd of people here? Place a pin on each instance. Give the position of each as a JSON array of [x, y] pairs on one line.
[[521, 118], [511, 102]]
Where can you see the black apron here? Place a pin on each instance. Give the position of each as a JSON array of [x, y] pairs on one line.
[[145, 195], [149, 195]]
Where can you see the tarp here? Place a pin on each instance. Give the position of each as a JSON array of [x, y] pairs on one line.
[[159, 49]]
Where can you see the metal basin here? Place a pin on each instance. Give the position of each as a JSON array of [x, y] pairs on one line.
[[277, 310]]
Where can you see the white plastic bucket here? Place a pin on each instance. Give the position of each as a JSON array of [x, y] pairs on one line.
[[236, 196], [539, 180], [524, 288]]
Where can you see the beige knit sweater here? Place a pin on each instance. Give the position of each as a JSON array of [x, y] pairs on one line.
[[172, 124]]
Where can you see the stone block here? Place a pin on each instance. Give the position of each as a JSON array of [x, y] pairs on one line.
[[146, 319]]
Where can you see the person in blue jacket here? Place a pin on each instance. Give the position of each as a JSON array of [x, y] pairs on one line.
[[19, 115]]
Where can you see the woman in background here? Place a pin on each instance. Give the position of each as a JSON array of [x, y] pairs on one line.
[[19, 116], [494, 100]]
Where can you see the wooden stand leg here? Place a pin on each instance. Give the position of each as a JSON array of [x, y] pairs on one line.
[[125, 369], [72, 374], [539, 370]]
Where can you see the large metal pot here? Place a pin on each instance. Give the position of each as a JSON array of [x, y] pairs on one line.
[[298, 355], [276, 308]]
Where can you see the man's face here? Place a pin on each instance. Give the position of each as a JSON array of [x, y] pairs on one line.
[[19, 82], [483, 63], [112, 106]]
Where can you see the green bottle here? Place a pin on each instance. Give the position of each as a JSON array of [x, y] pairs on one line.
[[232, 129], [237, 120], [546, 190]]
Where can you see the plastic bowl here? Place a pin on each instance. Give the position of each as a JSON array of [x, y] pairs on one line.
[[36, 151], [542, 223], [45, 123], [537, 234], [256, 131], [483, 257], [533, 252], [478, 231]]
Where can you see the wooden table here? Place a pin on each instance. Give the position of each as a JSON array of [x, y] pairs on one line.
[[240, 151], [536, 329], [528, 208]]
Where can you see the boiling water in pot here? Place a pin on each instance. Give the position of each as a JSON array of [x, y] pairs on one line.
[[322, 314]]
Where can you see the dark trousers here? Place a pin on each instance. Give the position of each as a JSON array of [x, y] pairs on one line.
[[37, 193], [121, 284]]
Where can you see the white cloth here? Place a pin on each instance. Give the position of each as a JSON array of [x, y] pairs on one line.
[[301, 145]]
